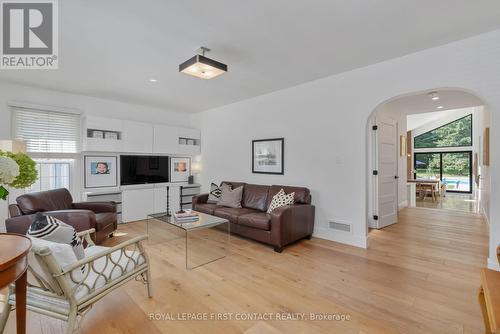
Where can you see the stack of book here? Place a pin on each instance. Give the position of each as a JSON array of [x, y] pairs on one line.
[[186, 217]]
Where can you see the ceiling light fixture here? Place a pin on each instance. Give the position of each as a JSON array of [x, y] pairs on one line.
[[434, 96], [440, 107], [203, 67], [153, 80]]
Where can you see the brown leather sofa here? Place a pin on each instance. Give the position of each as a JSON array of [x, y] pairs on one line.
[[59, 204], [281, 227]]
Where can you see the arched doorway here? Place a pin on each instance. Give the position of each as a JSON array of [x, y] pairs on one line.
[[394, 168]]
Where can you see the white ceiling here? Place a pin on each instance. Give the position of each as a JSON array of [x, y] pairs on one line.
[[112, 48], [422, 103], [415, 121]]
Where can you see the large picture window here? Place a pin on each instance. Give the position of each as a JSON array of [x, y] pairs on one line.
[[455, 134], [52, 174], [453, 169], [53, 140]]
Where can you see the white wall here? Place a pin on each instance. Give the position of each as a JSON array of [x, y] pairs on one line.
[[93, 106], [484, 190], [324, 123]]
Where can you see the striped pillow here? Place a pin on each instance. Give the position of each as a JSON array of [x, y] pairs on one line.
[[52, 229]]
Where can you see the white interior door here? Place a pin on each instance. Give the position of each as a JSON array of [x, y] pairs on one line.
[[387, 168]]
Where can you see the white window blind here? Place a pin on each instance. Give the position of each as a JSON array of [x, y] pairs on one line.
[[46, 131]]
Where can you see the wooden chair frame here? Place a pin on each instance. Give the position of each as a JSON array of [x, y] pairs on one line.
[[57, 296]]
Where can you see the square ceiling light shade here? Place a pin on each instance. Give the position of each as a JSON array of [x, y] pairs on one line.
[[203, 67]]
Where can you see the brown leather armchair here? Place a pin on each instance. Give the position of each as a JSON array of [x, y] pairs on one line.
[[58, 203]]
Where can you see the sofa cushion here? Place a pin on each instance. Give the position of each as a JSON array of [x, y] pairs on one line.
[[207, 208], [51, 200], [233, 185], [255, 197], [52, 229], [232, 214], [281, 199], [231, 197], [214, 194], [302, 195], [259, 220]]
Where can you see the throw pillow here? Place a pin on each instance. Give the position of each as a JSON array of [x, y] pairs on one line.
[[64, 256], [214, 194], [52, 229], [281, 199], [231, 197]]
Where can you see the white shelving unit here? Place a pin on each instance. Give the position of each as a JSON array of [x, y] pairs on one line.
[[139, 137]]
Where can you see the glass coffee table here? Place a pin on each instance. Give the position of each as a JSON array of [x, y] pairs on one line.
[[206, 240]]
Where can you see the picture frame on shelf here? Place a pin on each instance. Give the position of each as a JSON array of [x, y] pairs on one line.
[[97, 134], [268, 156], [100, 171], [180, 169], [111, 135]]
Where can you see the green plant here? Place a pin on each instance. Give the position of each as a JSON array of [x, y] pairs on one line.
[[28, 173]]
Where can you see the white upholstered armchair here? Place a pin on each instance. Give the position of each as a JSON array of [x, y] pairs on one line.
[[65, 288]]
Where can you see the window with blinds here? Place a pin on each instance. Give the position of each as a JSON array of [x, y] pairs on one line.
[[46, 131]]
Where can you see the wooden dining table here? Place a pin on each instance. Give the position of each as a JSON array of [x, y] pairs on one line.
[[14, 250], [427, 184]]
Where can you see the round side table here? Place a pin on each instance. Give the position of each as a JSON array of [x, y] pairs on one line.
[[14, 250]]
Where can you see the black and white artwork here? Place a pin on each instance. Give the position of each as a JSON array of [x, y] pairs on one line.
[[100, 171], [268, 156]]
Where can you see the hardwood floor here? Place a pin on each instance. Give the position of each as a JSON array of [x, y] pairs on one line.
[[459, 202], [418, 276]]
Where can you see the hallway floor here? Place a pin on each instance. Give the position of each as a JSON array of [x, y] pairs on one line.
[[452, 201]]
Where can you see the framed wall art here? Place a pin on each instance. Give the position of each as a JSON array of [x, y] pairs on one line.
[[100, 171], [268, 156], [180, 169]]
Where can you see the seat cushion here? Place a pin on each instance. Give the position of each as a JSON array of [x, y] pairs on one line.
[[104, 220], [232, 214], [259, 220], [206, 208], [255, 197]]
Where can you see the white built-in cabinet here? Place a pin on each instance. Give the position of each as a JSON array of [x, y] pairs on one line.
[[141, 200], [165, 139], [139, 137], [137, 203]]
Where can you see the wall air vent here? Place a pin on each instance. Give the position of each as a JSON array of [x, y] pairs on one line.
[[340, 226]]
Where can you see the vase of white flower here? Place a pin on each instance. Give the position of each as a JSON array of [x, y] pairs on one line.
[[9, 171]]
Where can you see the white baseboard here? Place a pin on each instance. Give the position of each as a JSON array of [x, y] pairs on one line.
[[493, 264], [342, 237], [403, 204]]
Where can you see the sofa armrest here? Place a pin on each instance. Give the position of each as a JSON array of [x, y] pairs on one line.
[[81, 220], [14, 210], [290, 223], [97, 207], [200, 199]]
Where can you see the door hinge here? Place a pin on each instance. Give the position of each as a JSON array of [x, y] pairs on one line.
[[375, 172], [375, 217], [375, 127]]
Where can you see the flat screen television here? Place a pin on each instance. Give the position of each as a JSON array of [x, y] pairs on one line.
[[141, 169]]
